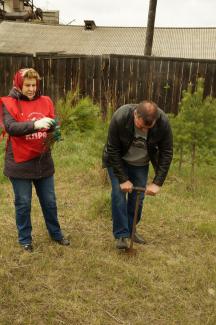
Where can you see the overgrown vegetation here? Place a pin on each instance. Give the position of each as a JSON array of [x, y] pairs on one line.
[[171, 281]]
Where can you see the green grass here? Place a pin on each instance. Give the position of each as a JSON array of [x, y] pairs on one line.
[[171, 281]]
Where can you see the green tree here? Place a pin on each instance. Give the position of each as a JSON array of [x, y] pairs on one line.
[[76, 114], [194, 127]]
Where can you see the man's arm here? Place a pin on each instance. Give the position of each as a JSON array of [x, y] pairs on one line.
[[114, 151], [165, 154]]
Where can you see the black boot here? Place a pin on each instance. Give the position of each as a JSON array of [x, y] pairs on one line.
[[122, 243], [27, 247], [139, 239], [63, 242]]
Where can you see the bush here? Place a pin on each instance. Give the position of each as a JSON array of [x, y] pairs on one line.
[[85, 115], [77, 114]]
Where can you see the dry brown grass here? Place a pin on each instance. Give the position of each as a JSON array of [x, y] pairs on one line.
[[171, 281]]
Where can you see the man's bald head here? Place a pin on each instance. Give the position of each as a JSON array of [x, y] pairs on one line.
[[148, 111]]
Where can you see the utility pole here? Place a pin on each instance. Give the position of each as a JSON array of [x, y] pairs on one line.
[[150, 27]]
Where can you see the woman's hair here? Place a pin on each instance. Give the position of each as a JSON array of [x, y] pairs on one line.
[[31, 74], [21, 74]]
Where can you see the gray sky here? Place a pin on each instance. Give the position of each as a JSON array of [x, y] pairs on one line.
[[170, 13]]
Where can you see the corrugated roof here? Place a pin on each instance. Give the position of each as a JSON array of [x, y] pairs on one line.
[[196, 43]]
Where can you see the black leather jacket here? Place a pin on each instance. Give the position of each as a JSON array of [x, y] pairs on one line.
[[120, 137]]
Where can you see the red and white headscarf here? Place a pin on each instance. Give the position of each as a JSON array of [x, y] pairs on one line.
[[18, 79]]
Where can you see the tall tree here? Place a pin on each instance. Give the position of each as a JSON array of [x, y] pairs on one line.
[[150, 27]]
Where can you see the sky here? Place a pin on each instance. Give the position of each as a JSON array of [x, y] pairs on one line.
[[170, 13]]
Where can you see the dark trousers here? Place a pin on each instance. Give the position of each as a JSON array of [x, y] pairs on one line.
[[123, 204], [23, 196]]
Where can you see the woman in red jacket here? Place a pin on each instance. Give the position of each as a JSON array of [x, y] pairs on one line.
[[27, 117]]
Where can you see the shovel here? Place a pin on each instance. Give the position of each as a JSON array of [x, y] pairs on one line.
[[131, 250]]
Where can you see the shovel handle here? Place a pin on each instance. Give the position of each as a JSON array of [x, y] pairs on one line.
[[139, 189]]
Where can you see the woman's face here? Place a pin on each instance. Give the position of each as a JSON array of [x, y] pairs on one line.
[[29, 87]]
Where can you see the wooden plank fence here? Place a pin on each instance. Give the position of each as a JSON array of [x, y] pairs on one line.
[[113, 80]]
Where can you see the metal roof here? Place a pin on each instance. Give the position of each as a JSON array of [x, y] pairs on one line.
[[195, 43]]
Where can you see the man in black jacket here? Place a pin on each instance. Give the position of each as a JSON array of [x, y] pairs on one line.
[[138, 134]]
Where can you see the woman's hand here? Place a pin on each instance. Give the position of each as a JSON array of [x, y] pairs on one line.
[[44, 123]]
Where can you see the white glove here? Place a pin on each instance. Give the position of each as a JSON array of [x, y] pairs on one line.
[[43, 123]]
